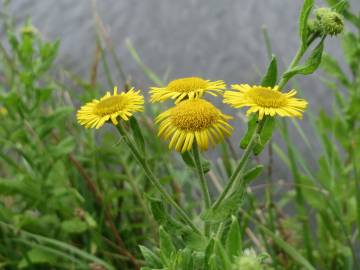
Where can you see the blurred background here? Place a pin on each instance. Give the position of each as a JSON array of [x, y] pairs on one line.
[[213, 39]]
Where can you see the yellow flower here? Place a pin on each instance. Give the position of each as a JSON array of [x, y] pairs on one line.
[[265, 100], [94, 114], [193, 120], [186, 88]]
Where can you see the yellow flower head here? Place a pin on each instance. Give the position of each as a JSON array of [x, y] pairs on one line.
[[265, 100], [193, 119], [95, 113], [186, 88]]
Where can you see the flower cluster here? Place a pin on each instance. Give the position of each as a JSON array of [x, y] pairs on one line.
[[193, 119]]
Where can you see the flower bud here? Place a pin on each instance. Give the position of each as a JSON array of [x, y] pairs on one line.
[[29, 30], [248, 261], [327, 22]]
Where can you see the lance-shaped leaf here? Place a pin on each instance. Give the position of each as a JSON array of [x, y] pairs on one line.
[[189, 161], [303, 24], [233, 238], [311, 64], [139, 138], [265, 135]]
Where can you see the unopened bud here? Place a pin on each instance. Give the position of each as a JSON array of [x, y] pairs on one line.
[[29, 30], [327, 22], [248, 261]]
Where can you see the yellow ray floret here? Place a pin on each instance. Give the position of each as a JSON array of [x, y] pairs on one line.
[[190, 121], [97, 112], [186, 88], [265, 101]]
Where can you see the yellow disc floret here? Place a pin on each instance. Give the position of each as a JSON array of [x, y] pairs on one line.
[[193, 120]]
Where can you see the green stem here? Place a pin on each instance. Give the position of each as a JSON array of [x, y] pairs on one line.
[[242, 163], [152, 178], [294, 62], [203, 184], [134, 186]]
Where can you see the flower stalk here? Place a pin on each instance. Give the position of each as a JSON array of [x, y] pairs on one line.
[[236, 176], [148, 172], [203, 184]]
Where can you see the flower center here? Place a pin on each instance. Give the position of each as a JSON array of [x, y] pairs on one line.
[[187, 84], [266, 97], [110, 105], [194, 115]]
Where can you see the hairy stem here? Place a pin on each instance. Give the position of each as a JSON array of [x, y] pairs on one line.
[[203, 184], [242, 163], [148, 172]]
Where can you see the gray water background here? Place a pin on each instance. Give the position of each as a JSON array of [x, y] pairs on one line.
[[215, 39]]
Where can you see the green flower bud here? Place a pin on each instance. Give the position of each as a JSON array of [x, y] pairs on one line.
[[29, 30], [248, 261], [313, 26], [327, 22]]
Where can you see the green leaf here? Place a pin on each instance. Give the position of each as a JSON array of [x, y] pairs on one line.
[[253, 173], [340, 6], [186, 261], [189, 161], [250, 130], [150, 257], [74, 226], [332, 68], [13, 41], [265, 134], [26, 50], [222, 256], [226, 159], [48, 53], [270, 78], [208, 252], [56, 247], [303, 24], [312, 194], [351, 49], [311, 64], [38, 256], [229, 206], [167, 248], [139, 138], [63, 148], [163, 218], [193, 240], [233, 238]]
